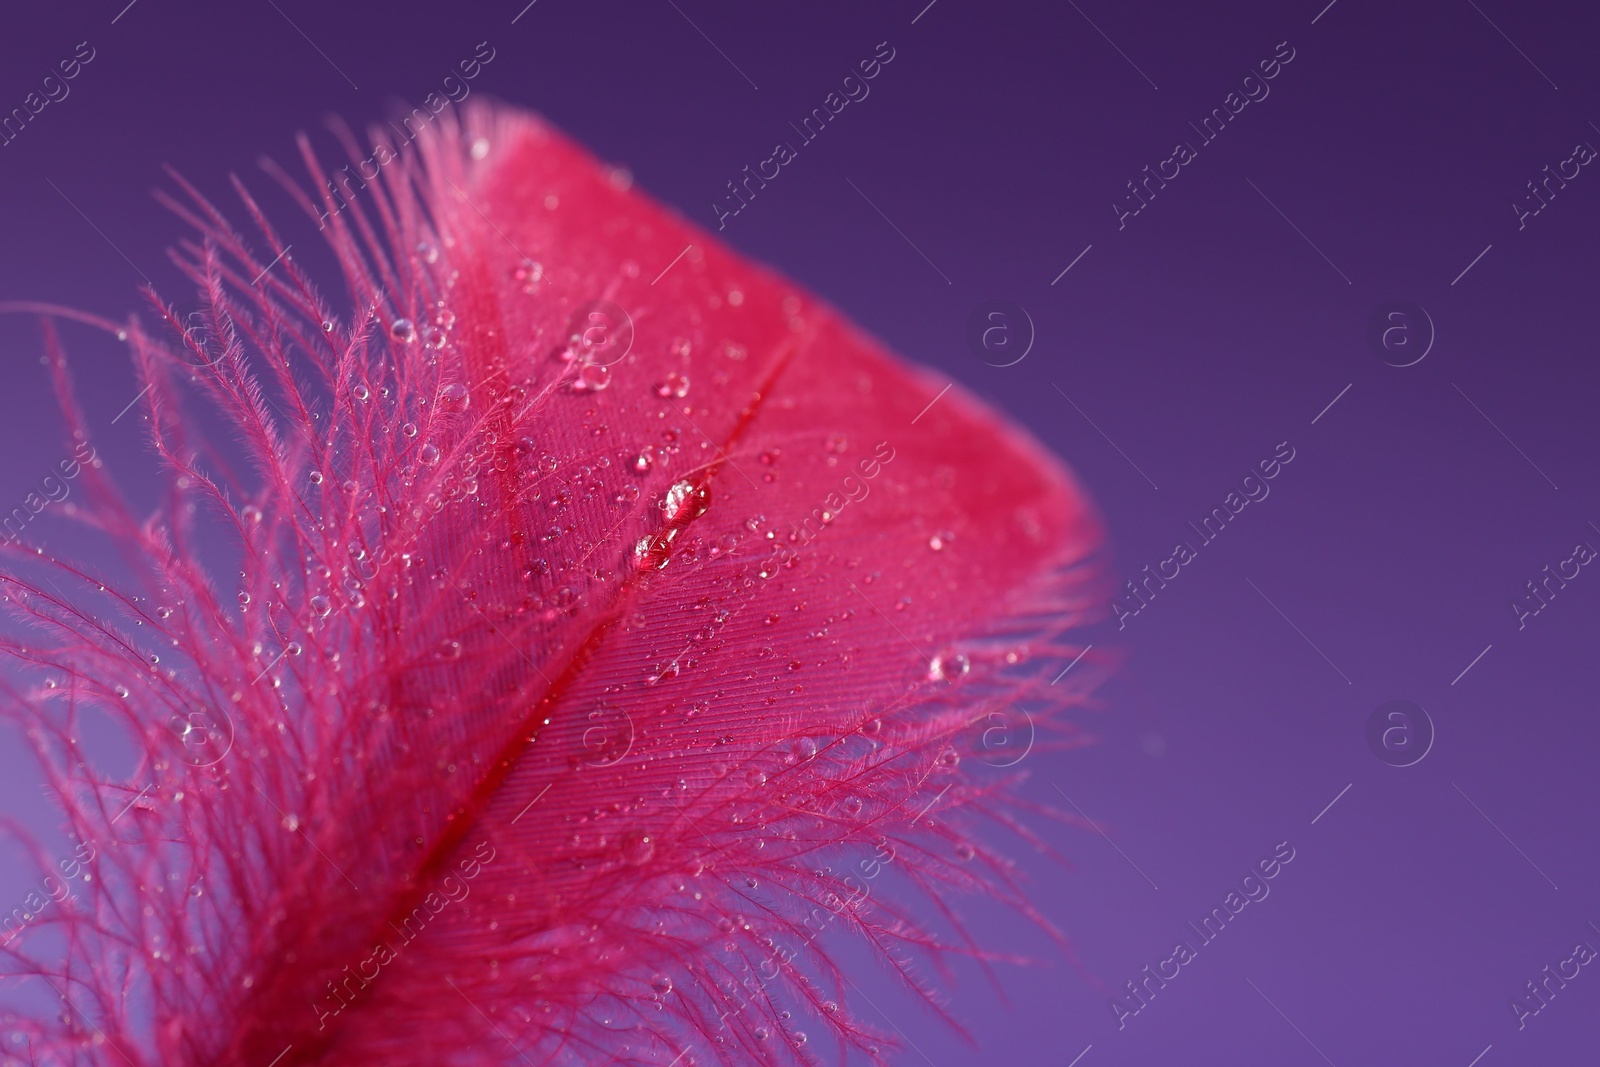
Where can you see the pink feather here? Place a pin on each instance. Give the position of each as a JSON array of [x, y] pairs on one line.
[[571, 678]]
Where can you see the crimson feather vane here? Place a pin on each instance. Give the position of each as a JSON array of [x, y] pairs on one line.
[[602, 615]]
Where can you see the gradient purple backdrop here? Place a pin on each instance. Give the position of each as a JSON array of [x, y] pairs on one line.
[[1219, 321]]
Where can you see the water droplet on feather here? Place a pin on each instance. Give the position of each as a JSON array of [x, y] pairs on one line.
[[637, 847], [674, 385]]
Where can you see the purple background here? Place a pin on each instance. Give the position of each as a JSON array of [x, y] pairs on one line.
[[1196, 338]]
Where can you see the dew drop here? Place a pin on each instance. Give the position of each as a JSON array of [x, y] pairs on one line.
[[660, 984], [685, 501], [451, 649], [327, 327], [361, 392], [637, 847], [674, 385], [428, 453], [591, 378], [940, 540], [454, 398], [321, 605], [965, 851], [480, 148], [643, 462], [403, 330], [428, 253], [316, 477], [409, 429], [944, 668], [663, 673], [528, 274]]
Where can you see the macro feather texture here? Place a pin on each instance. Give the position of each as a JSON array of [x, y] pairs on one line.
[[603, 615]]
